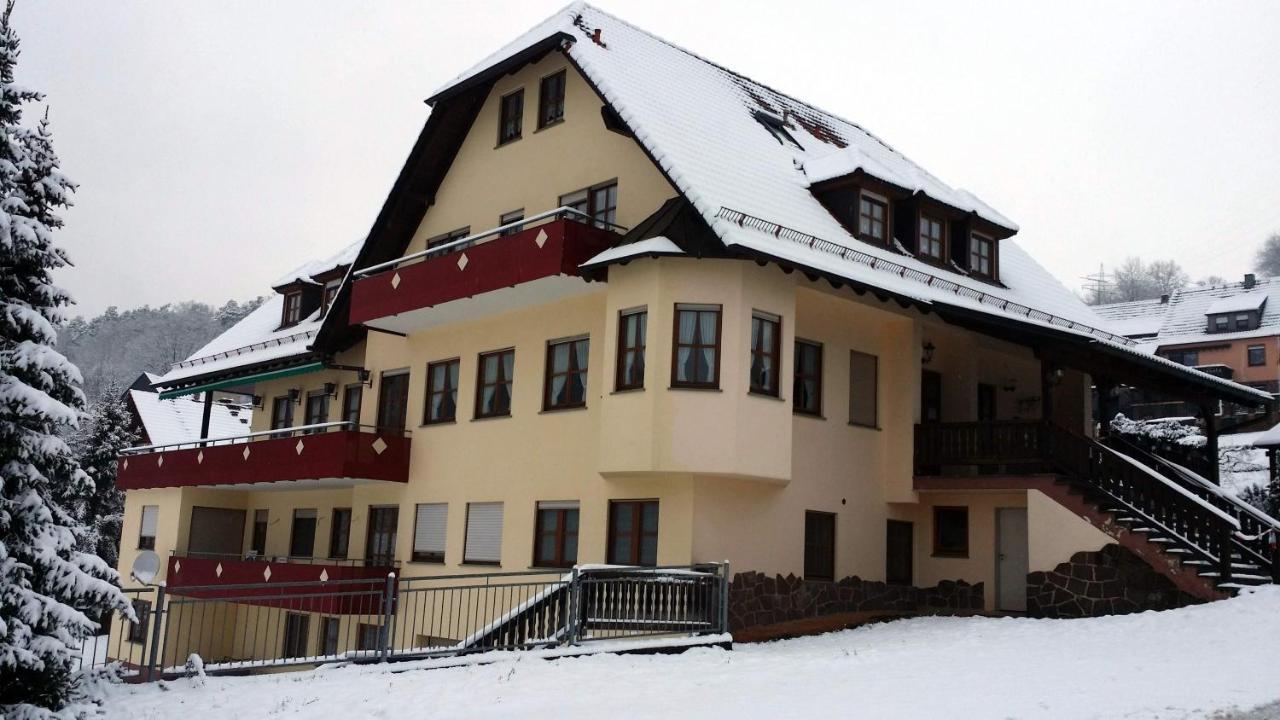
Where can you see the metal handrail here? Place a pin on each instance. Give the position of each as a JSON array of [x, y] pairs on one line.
[[443, 249], [232, 439], [284, 559]]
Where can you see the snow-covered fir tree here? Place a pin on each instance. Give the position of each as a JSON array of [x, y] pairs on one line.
[[49, 590], [107, 430]]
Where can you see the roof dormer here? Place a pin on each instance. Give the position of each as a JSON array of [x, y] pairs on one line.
[[1236, 313]]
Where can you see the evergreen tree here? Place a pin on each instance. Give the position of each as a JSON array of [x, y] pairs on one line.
[[108, 430], [49, 590]]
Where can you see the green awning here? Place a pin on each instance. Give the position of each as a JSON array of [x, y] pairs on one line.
[[244, 380]]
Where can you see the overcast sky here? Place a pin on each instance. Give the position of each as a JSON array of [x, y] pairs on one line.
[[219, 144]]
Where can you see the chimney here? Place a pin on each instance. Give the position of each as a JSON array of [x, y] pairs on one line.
[[1249, 281], [1164, 299], [595, 37]]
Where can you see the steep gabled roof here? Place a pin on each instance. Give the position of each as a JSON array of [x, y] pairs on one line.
[[1184, 318], [714, 135], [179, 420]]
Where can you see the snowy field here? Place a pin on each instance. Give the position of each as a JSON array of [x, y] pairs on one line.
[[1188, 663]]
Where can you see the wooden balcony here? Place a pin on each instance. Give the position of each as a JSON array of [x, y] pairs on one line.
[[325, 455], [551, 246], [998, 446], [334, 587]]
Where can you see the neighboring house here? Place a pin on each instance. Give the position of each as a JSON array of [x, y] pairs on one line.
[[1231, 331], [623, 305], [180, 420]]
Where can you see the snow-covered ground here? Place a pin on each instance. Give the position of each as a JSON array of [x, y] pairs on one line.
[[1186, 663]]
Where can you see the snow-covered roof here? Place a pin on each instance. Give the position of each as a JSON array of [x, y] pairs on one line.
[[651, 246], [1237, 303], [307, 271], [1183, 319], [699, 122], [178, 420], [258, 337]]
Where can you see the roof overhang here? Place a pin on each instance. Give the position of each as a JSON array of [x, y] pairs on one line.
[[242, 377], [510, 64]]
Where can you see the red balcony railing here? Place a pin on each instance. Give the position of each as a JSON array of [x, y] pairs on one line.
[[330, 451], [545, 245], [335, 587]]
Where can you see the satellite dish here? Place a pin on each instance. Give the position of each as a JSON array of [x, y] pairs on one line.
[[145, 567]]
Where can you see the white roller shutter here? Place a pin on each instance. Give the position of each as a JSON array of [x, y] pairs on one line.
[[150, 518], [558, 505], [429, 529], [484, 533]]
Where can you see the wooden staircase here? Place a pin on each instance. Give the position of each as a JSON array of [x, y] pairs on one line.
[[1208, 543]]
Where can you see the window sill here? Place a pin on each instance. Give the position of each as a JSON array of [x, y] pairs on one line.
[[696, 388], [480, 563], [490, 417], [554, 123], [951, 555], [426, 562], [435, 423], [811, 416], [505, 143], [877, 428], [551, 568], [765, 396], [623, 391], [553, 411]]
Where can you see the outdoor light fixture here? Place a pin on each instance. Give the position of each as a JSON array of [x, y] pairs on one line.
[[331, 389], [295, 395], [257, 401], [926, 355], [366, 377]]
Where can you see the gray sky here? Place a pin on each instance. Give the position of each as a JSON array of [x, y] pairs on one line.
[[219, 144]]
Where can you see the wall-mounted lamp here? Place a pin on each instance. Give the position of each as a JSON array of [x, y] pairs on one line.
[[331, 389], [366, 377], [926, 352], [257, 401], [295, 395]]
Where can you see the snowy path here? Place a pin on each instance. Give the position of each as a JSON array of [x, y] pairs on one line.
[[1179, 664]]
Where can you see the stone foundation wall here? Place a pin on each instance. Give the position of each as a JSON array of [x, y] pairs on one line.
[[755, 599], [1110, 581]]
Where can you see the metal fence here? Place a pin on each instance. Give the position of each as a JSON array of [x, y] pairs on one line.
[[239, 628]]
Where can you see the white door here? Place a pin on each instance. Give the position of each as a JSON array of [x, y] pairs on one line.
[[1011, 559]]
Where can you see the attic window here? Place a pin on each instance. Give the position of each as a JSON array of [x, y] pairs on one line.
[[980, 252], [873, 214], [551, 100], [932, 238], [777, 127], [330, 292], [511, 113], [292, 308]]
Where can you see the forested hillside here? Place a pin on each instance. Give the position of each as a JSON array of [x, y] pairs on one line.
[[116, 346]]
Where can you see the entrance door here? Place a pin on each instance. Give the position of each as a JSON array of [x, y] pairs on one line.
[[898, 551], [986, 402], [216, 531], [380, 543], [930, 396], [1011, 559]]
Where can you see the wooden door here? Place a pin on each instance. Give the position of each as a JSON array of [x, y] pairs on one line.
[[1011, 559], [216, 531], [899, 547], [930, 396], [380, 543]]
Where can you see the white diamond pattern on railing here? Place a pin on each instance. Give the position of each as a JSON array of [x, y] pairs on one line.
[[177, 566], [324, 576], [218, 570], [395, 281], [266, 574], [463, 261], [299, 447], [160, 461], [541, 239], [200, 458], [245, 454], [379, 445], [126, 463]]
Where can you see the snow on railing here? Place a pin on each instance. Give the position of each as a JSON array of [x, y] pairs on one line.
[[246, 437], [491, 233], [1206, 505]]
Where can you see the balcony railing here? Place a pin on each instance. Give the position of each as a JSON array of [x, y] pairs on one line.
[[340, 586], [987, 445], [543, 245], [331, 451]]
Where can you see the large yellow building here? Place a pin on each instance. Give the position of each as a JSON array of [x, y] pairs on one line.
[[626, 306]]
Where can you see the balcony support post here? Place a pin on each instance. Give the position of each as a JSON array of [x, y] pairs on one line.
[[1106, 405], [208, 413], [1211, 440], [1046, 389]]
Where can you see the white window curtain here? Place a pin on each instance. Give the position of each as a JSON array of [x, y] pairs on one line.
[[484, 533]]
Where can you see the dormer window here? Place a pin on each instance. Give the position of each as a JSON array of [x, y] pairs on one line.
[[873, 218], [292, 308], [1242, 322], [1221, 323], [933, 238], [330, 292], [980, 252]]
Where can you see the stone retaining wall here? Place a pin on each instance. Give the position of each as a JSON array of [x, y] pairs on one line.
[[755, 599], [1111, 581]]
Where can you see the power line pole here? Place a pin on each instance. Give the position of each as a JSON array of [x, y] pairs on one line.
[[1097, 285]]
